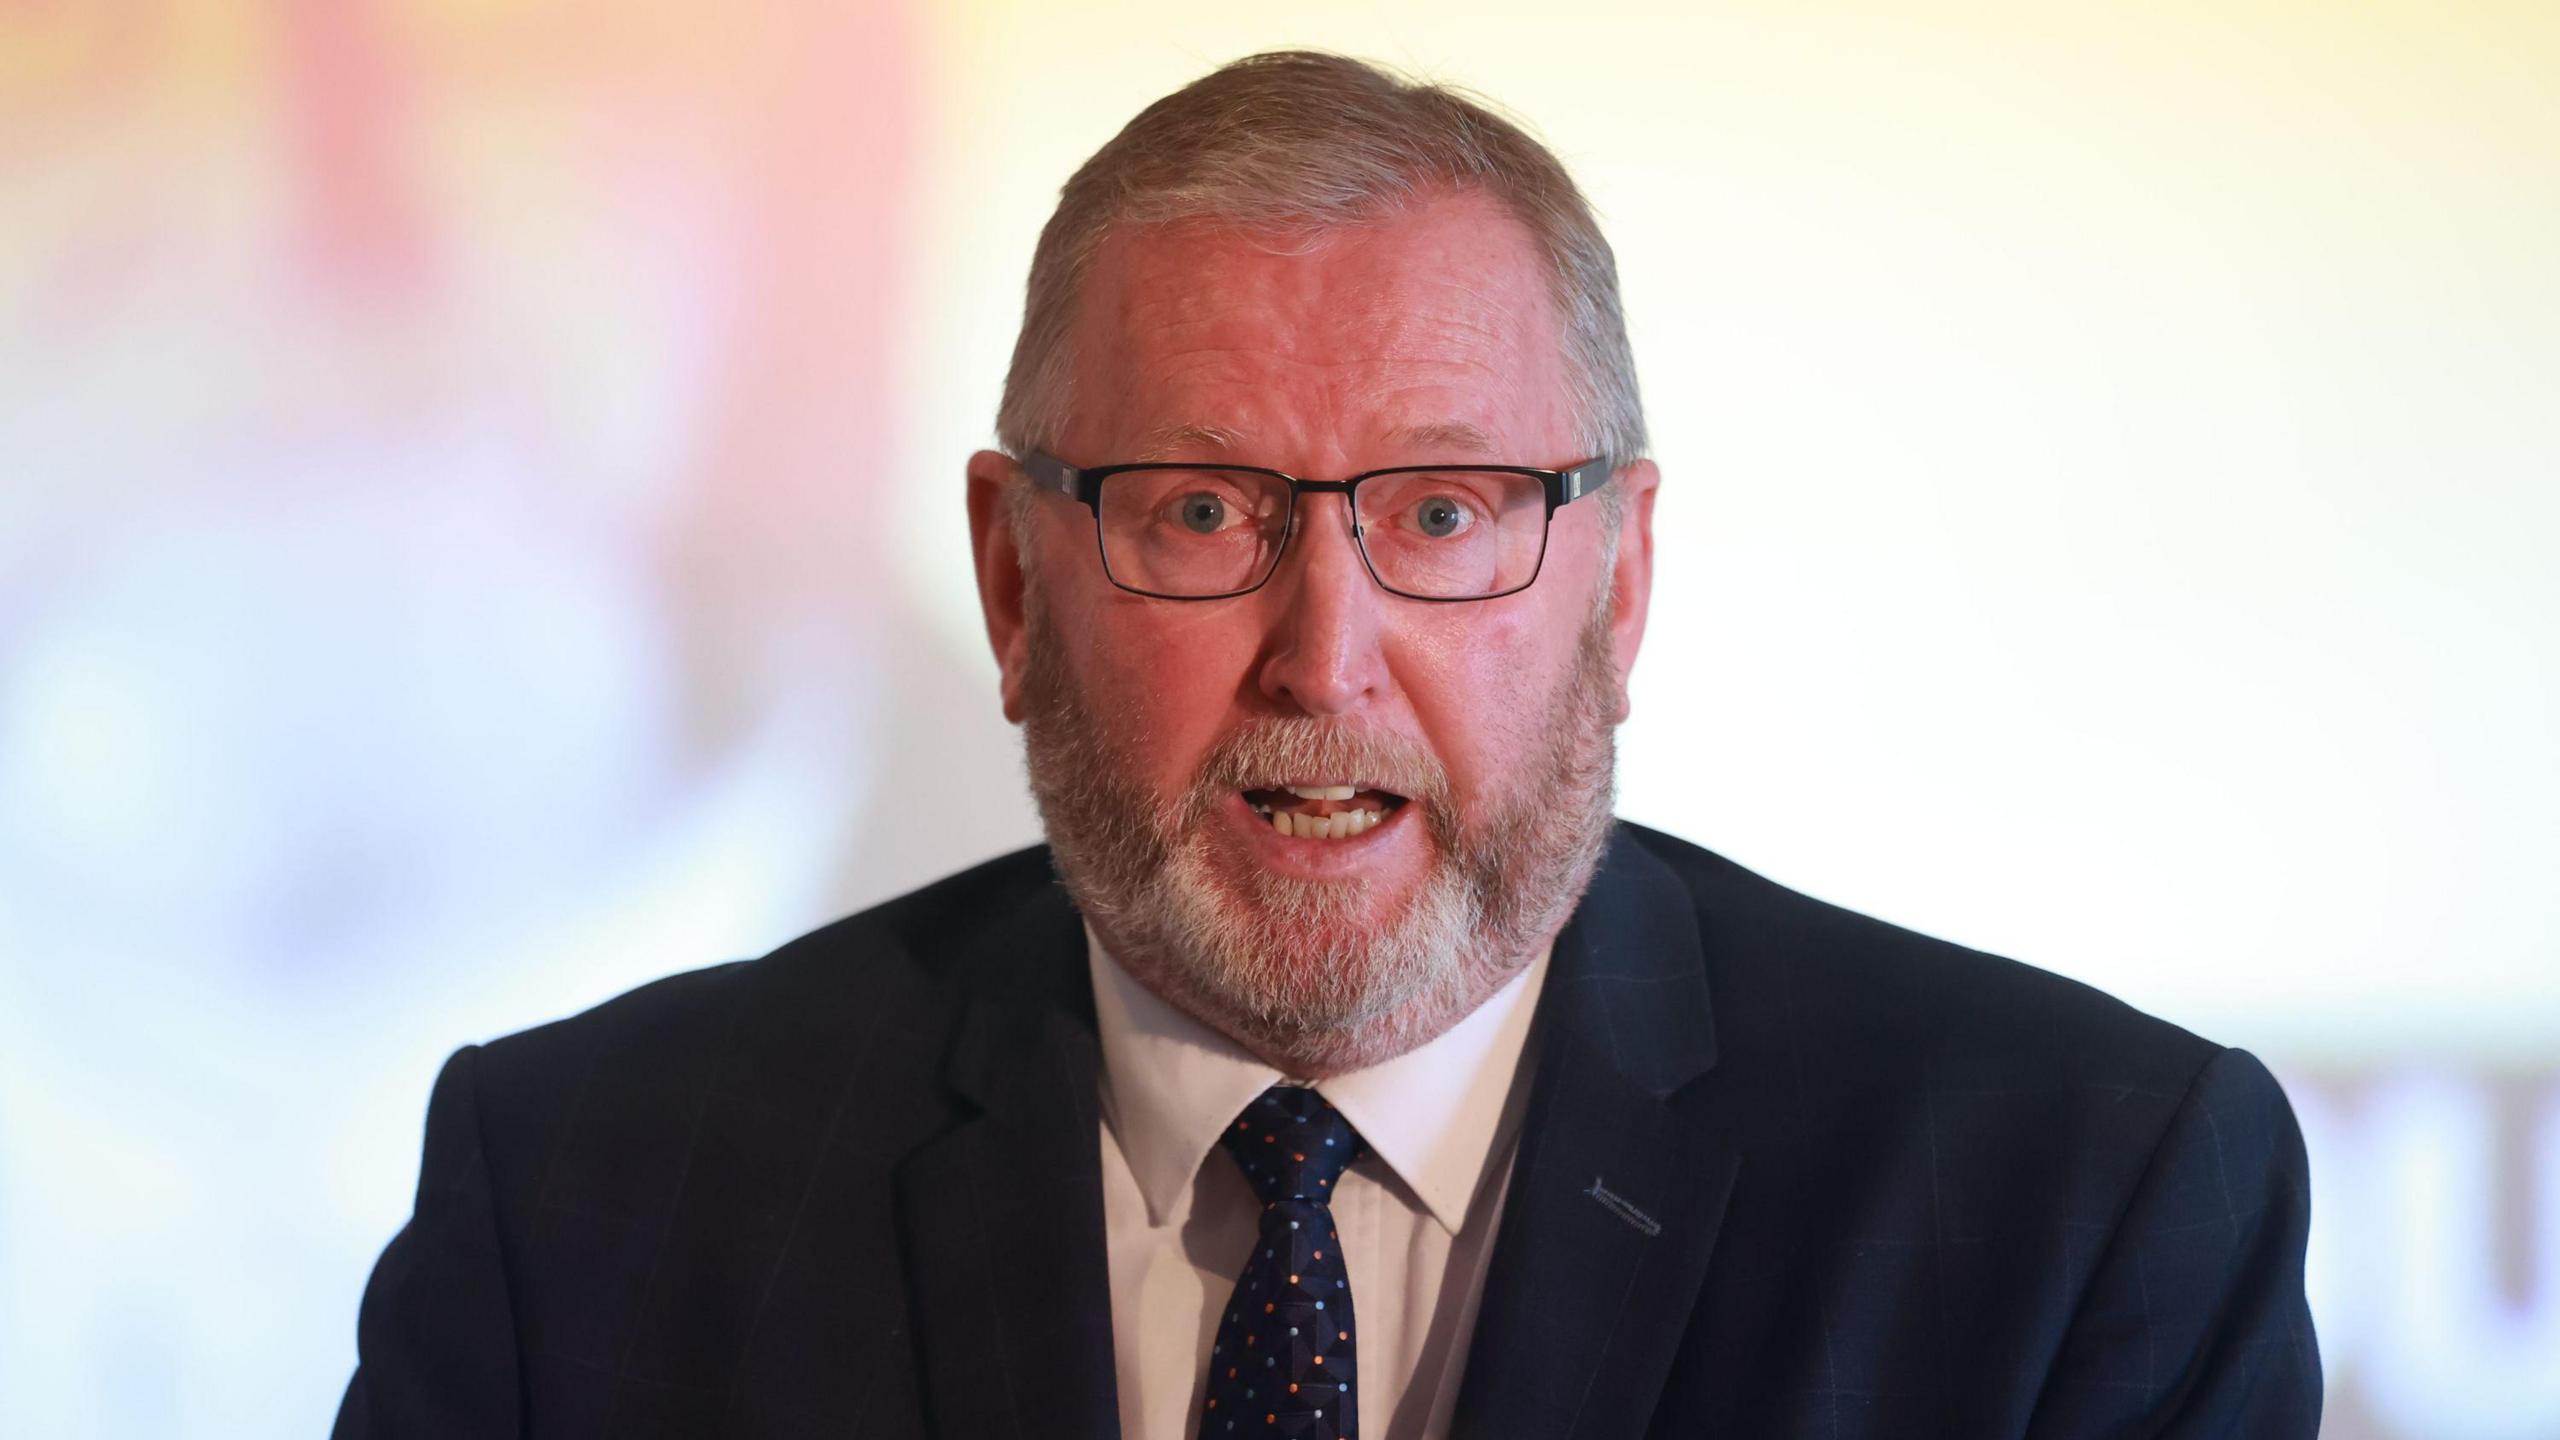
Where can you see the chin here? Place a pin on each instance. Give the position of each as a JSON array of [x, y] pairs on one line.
[[1315, 974]]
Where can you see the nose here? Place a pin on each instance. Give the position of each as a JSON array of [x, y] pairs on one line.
[[1322, 656]]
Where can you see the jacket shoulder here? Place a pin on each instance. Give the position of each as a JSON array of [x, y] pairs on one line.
[[900, 961], [1880, 997], [2103, 1213]]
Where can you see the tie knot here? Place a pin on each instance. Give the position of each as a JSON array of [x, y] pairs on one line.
[[1292, 1144]]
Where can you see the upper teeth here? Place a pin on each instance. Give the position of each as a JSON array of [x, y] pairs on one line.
[[1322, 792]]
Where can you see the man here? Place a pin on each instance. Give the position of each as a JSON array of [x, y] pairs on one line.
[[1363, 1077]]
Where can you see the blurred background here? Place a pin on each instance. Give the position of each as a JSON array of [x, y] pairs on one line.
[[481, 527]]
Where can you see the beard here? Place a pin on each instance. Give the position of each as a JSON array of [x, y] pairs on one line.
[[1307, 973]]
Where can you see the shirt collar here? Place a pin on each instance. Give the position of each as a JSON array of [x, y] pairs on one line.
[[1171, 1085]]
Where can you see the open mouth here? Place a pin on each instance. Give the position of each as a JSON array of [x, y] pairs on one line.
[[1324, 811]]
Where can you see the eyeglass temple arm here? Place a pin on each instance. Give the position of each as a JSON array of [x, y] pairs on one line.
[[1586, 477], [1048, 472]]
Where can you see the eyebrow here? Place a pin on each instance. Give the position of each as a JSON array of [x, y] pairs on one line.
[[1167, 442], [1444, 435]]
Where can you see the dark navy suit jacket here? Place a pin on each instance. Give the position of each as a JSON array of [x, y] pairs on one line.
[[1785, 1171]]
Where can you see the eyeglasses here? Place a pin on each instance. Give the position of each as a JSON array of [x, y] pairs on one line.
[[1178, 531]]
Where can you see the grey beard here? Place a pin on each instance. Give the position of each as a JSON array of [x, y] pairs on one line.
[[1288, 968]]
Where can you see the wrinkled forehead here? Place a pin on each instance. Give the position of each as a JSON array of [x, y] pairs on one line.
[[1323, 342]]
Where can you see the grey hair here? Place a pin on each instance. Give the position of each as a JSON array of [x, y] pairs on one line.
[[1300, 141]]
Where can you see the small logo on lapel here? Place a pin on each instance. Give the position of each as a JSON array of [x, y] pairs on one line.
[[1616, 1204]]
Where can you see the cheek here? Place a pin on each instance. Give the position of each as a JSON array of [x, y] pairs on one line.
[[1162, 681], [1483, 688]]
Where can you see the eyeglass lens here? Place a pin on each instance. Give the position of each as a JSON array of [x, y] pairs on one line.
[[1438, 534]]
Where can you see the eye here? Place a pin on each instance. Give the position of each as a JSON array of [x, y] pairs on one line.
[[1441, 516], [1201, 513]]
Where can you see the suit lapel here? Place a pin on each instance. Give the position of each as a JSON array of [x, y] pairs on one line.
[[1002, 1214], [1615, 1200]]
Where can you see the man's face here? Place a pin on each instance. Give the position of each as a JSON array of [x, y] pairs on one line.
[[1160, 732]]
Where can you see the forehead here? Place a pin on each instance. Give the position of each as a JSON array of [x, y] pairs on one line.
[[1320, 350]]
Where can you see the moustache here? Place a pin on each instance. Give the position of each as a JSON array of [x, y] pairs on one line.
[[1298, 749]]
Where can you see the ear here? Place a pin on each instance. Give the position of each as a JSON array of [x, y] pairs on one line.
[[1631, 582], [1000, 579]]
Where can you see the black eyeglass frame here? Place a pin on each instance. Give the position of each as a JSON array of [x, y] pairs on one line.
[[1083, 484]]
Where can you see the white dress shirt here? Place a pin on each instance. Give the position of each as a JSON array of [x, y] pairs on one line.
[[1416, 1215]]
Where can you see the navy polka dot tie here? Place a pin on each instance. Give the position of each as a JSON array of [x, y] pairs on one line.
[[1281, 1365]]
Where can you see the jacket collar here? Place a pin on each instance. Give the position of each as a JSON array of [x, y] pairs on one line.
[[1631, 976], [1001, 1215]]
